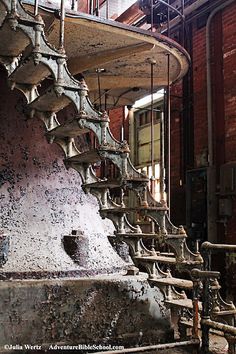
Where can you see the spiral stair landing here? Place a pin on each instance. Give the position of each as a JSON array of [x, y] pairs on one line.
[[30, 60]]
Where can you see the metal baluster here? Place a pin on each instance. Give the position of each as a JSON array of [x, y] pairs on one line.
[[36, 7], [62, 26]]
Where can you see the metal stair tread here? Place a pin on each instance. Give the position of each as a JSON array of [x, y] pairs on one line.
[[160, 259], [12, 43], [177, 282], [88, 157], [29, 73], [183, 303], [137, 235], [130, 209], [70, 129], [50, 101], [114, 183], [103, 184]]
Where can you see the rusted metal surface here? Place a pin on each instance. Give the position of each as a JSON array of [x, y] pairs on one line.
[[98, 310], [4, 248], [41, 201]]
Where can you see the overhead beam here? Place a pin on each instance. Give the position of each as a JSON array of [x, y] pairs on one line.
[[132, 14]]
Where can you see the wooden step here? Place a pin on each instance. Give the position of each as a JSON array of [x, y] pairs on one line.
[[30, 74], [178, 283]]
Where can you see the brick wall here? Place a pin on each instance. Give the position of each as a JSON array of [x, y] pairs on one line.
[[229, 52], [223, 68]]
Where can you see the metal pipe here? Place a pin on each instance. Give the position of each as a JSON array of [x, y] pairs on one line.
[[219, 247], [153, 62], [183, 23], [209, 81], [91, 7], [62, 26], [99, 89], [97, 8], [172, 8], [162, 164], [169, 128], [36, 6], [202, 274], [152, 20], [187, 11], [168, 20], [219, 326], [107, 9], [153, 347]]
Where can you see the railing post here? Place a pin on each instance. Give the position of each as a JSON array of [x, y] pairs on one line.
[[62, 26], [36, 7]]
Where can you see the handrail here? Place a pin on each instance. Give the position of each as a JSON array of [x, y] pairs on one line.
[[215, 246]]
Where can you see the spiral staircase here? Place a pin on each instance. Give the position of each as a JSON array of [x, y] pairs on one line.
[[30, 60]]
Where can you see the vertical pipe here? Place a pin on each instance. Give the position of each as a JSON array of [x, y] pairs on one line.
[[205, 315], [99, 89], [91, 7], [97, 8], [62, 26], [195, 309], [107, 9], [152, 121], [152, 19], [183, 23], [162, 162], [168, 19], [36, 6], [168, 129], [105, 103]]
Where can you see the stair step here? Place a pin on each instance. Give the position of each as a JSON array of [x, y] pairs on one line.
[[133, 209], [179, 283], [159, 259], [70, 129], [50, 102], [187, 303], [103, 184], [183, 303], [29, 73], [225, 313], [139, 235], [88, 157], [12, 43]]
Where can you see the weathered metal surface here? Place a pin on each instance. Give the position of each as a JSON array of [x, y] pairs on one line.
[[41, 201], [116, 310], [117, 49], [4, 248]]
